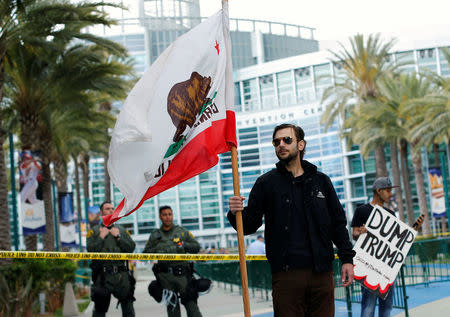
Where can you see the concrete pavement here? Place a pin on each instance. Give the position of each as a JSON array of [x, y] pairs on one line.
[[218, 302], [427, 301]]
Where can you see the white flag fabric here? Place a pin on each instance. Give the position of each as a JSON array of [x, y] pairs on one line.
[[177, 118]]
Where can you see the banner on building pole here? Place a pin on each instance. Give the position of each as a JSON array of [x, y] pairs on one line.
[[381, 251], [32, 205], [437, 192], [65, 204], [68, 234]]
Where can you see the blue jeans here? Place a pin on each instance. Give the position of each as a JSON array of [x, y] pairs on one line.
[[369, 301]]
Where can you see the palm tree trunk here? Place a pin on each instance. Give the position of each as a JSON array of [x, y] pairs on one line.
[[107, 178], [48, 238], [60, 170], [31, 242], [420, 184], [397, 179], [436, 155], [380, 161], [406, 183], [85, 168], [5, 237]]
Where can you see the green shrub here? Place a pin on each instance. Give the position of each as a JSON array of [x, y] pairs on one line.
[[23, 280]]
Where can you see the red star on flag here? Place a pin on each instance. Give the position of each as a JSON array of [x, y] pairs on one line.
[[217, 47]]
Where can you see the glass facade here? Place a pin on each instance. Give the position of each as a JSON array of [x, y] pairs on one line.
[[148, 27]]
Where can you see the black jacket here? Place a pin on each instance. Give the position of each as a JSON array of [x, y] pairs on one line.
[[271, 197]]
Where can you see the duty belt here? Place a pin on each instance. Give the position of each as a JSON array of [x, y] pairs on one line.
[[114, 269], [176, 270]]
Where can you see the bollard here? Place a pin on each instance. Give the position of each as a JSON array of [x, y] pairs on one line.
[[70, 307], [42, 303]]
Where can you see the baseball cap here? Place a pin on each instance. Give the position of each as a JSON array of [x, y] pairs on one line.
[[382, 183]]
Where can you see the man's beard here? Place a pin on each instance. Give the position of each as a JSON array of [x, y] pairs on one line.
[[291, 157]]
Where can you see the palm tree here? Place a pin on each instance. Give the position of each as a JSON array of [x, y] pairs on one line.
[[413, 87], [396, 91], [432, 124], [373, 127], [40, 87], [428, 122], [32, 21], [366, 61]]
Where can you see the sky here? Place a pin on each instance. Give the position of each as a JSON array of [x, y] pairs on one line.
[[411, 22]]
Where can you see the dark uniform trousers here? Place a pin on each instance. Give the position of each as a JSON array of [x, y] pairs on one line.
[[303, 293], [117, 284], [179, 284]]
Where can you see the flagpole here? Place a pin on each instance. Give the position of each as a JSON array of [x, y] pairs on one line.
[[234, 168], [240, 233]]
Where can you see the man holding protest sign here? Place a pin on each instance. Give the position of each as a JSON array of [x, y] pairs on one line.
[[303, 218], [382, 194]]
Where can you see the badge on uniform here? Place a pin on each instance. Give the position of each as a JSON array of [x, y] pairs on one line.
[[90, 233]]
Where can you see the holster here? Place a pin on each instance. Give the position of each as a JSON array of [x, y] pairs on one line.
[[155, 290], [132, 286]]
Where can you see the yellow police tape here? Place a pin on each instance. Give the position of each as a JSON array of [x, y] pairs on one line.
[[125, 256], [82, 276]]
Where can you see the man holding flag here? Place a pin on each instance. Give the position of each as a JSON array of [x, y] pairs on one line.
[[303, 219]]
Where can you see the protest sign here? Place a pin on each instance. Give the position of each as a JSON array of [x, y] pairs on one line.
[[381, 251]]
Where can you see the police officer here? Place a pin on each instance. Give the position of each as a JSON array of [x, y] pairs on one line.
[[112, 276], [175, 277]]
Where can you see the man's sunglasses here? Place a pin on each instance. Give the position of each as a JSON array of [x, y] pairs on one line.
[[286, 140]]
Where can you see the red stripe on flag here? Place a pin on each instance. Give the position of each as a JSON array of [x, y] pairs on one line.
[[199, 155]]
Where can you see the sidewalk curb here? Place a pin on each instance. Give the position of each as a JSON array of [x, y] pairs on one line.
[[88, 311]]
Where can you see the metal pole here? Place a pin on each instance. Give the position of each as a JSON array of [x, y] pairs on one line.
[[444, 181], [405, 297], [86, 212], [79, 230], [13, 192], [349, 300], [55, 215]]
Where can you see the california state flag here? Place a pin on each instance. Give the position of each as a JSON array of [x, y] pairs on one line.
[[177, 118]]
